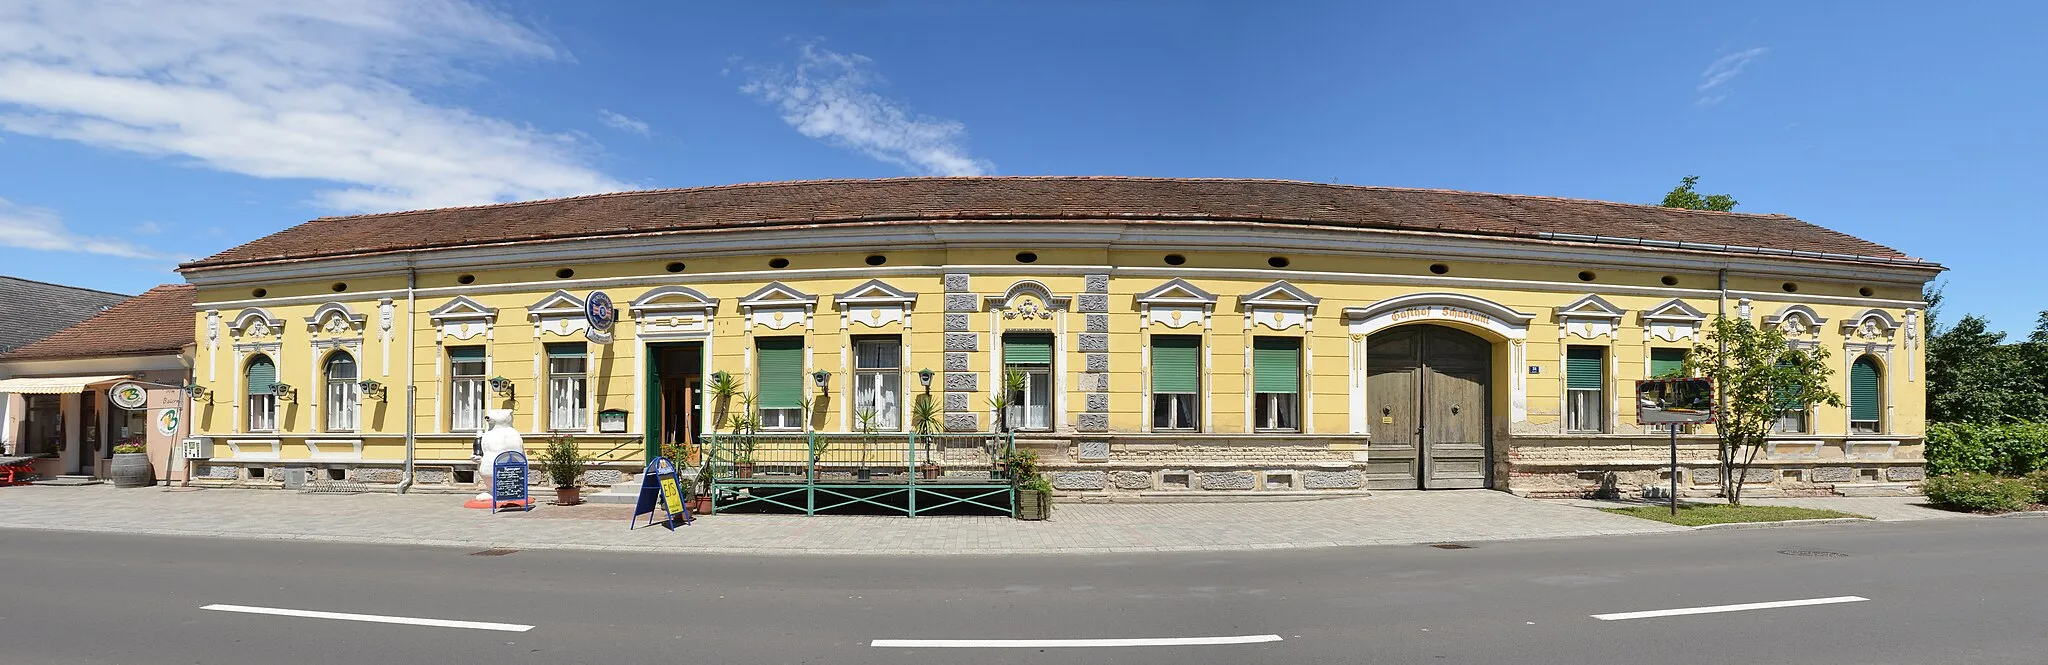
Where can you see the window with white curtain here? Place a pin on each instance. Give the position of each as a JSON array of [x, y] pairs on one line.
[[344, 396], [878, 382], [258, 378], [568, 403], [467, 388]]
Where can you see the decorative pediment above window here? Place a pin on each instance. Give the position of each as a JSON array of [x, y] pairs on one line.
[[778, 306], [1591, 316], [335, 319], [875, 303], [560, 313], [1027, 300], [1279, 306], [255, 322], [1673, 320], [674, 309], [1870, 326], [1176, 304], [1796, 321], [463, 318]]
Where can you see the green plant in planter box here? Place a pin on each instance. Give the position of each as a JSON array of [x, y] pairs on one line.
[[564, 461]]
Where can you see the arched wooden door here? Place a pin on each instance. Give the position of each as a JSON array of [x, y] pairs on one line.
[[1427, 392]]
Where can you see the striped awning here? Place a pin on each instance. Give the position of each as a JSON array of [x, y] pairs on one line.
[[55, 385]]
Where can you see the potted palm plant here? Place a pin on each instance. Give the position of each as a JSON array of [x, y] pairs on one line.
[[565, 462], [700, 500], [865, 419], [924, 420]]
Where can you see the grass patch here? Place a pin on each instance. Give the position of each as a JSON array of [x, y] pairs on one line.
[[1714, 513]]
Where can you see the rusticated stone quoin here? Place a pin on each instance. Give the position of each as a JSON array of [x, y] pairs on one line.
[[962, 422], [957, 322], [1092, 302], [958, 402], [1094, 382], [963, 381], [1333, 480], [1098, 402], [956, 361], [1091, 451], [1832, 474], [956, 282], [1092, 422], [1097, 283], [1131, 480], [961, 302], [431, 476], [1228, 480], [1098, 323], [1094, 342], [959, 341], [1079, 480], [217, 471], [373, 474], [1098, 362], [1905, 473]]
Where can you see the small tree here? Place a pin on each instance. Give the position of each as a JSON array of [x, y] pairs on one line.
[[1683, 196], [1760, 376]]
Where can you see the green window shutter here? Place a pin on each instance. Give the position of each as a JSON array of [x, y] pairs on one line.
[[460, 353], [780, 381], [1176, 364], [1027, 349], [1585, 368], [262, 373], [1276, 365], [1864, 401], [569, 350], [1666, 363]]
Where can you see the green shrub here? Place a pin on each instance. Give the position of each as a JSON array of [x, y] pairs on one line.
[[2038, 480], [2013, 449], [1981, 492]]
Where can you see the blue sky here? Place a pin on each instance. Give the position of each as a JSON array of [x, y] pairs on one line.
[[136, 134]]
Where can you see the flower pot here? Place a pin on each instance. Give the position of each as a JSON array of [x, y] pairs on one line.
[[700, 504], [927, 471], [863, 474], [131, 470], [743, 469], [568, 496], [1033, 505]]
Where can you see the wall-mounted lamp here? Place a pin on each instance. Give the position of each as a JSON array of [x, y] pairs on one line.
[[821, 377], [501, 386], [284, 391], [924, 376], [372, 388], [195, 391]]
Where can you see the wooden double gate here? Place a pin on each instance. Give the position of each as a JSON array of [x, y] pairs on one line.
[[1429, 408]]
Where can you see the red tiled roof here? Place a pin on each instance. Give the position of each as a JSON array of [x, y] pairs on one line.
[[158, 321], [1033, 198]]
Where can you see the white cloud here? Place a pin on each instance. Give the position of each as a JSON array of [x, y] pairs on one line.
[[147, 228], [26, 227], [326, 90], [622, 122], [1724, 70], [827, 96]]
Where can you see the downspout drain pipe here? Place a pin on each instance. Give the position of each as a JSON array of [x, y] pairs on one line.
[[412, 277]]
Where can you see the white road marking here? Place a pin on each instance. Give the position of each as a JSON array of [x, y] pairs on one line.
[[1111, 642], [1729, 608], [372, 618]]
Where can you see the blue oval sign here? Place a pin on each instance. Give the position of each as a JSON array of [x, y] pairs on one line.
[[599, 311]]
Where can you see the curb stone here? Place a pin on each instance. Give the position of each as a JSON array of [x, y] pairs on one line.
[[1784, 523]]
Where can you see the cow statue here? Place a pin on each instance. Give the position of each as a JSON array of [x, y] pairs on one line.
[[497, 440]]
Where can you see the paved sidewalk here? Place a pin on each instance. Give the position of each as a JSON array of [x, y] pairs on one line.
[[1880, 508], [1382, 519]]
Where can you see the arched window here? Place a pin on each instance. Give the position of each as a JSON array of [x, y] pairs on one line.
[[1866, 397], [258, 378], [343, 396]]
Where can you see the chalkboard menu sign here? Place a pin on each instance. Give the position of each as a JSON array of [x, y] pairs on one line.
[[508, 481]]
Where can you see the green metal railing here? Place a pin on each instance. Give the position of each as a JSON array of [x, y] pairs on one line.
[[902, 473]]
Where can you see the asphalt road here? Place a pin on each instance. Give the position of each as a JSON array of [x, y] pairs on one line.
[[1973, 591]]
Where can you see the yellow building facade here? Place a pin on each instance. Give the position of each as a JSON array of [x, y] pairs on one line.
[[1172, 335]]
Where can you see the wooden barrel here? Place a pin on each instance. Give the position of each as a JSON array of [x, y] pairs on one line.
[[132, 470]]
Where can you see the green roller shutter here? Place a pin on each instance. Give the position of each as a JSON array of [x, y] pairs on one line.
[[262, 373], [1666, 363], [780, 383], [1027, 349], [1176, 364], [1789, 398], [461, 353], [1863, 390], [1584, 368], [1276, 365], [571, 350]]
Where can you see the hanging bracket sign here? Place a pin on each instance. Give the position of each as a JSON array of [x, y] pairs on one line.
[[601, 315], [660, 490], [128, 395], [508, 482]]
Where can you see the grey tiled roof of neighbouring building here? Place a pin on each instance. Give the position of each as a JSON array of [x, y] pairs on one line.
[[31, 310]]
